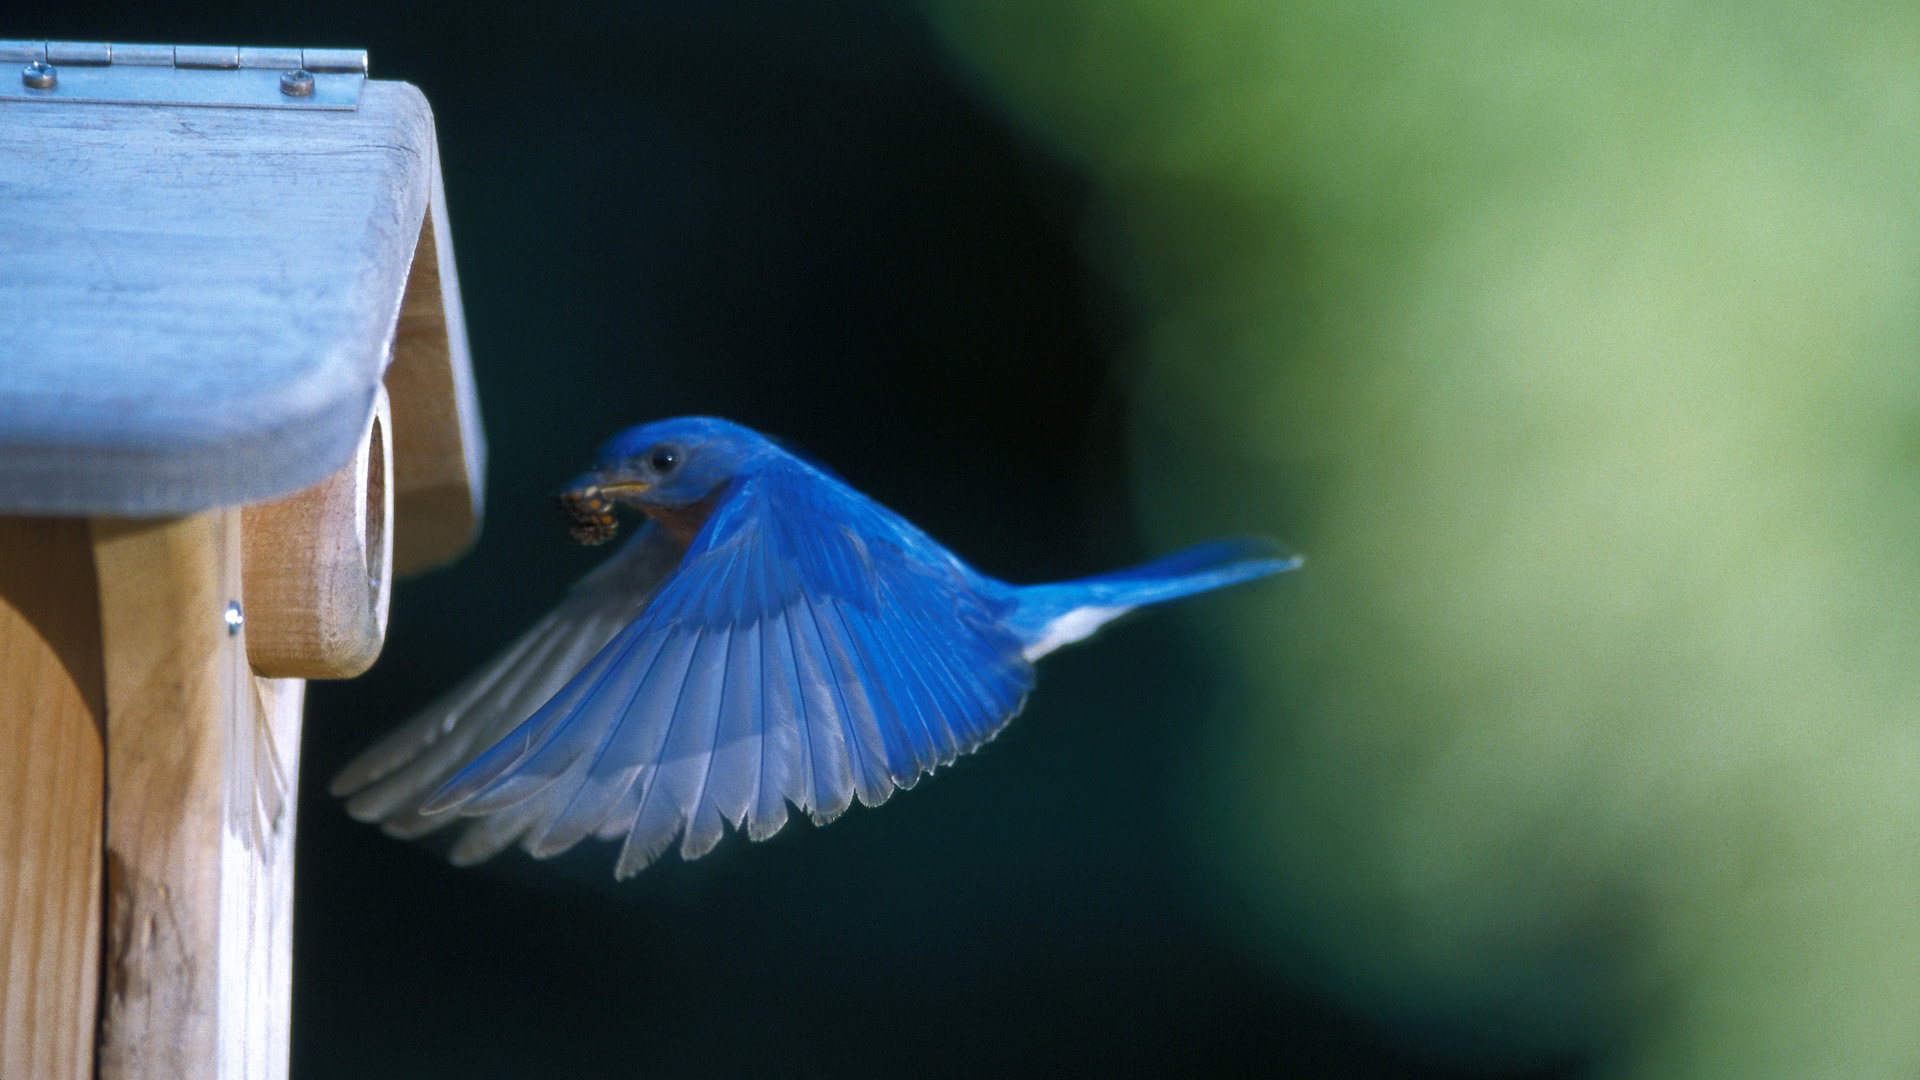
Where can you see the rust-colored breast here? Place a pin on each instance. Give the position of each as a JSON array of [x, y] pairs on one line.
[[682, 521]]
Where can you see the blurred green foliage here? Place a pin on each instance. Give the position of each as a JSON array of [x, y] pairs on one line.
[[1575, 345]]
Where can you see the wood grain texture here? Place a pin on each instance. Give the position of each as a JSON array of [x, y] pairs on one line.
[[317, 567], [201, 766], [439, 451], [212, 297], [52, 712]]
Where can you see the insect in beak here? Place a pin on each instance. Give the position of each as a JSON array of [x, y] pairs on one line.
[[590, 510]]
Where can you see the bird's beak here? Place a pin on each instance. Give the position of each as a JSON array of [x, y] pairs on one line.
[[624, 487], [604, 484]]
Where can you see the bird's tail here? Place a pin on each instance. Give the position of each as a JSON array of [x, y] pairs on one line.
[[1049, 616]]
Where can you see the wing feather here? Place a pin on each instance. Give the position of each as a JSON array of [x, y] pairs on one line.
[[389, 782], [825, 669], [609, 771], [573, 724], [810, 648], [912, 663], [700, 819], [449, 738], [727, 790], [782, 768], [632, 754], [909, 742]]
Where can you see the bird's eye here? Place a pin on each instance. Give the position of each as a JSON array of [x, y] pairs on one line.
[[663, 459]]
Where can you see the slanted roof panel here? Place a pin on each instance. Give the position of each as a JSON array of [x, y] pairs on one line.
[[199, 302]]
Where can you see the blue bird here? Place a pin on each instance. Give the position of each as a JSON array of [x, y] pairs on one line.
[[769, 637]]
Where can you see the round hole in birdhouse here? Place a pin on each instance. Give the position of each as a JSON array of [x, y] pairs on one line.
[[376, 508], [316, 564]]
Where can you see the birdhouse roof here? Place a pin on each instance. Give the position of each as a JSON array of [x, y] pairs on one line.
[[200, 302]]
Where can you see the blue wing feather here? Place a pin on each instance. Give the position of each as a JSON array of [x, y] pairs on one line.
[[811, 648], [824, 661]]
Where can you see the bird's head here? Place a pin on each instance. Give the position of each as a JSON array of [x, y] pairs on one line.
[[665, 468]]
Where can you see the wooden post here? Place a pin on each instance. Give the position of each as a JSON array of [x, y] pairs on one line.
[[202, 759], [52, 714]]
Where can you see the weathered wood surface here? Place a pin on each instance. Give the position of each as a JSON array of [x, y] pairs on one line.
[[202, 758], [439, 451], [318, 567], [202, 317], [199, 302], [52, 711]]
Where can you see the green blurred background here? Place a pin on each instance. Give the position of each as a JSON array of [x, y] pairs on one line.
[[1576, 346], [1573, 344]]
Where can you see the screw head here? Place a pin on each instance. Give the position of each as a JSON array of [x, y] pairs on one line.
[[235, 620], [40, 75], [297, 83]]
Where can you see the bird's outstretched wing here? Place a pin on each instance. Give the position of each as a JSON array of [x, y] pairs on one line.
[[388, 782], [810, 648]]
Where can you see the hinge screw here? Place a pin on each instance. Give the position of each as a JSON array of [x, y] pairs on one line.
[[40, 75], [297, 83], [235, 620]]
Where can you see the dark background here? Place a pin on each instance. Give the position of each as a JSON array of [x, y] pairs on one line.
[[793, 215]]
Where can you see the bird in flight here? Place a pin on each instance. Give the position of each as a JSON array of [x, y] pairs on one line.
[[768, 638]]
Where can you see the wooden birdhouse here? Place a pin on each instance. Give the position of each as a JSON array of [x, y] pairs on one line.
[[235, 401]]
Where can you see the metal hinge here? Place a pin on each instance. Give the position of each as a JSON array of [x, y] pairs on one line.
[[99, 72]]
